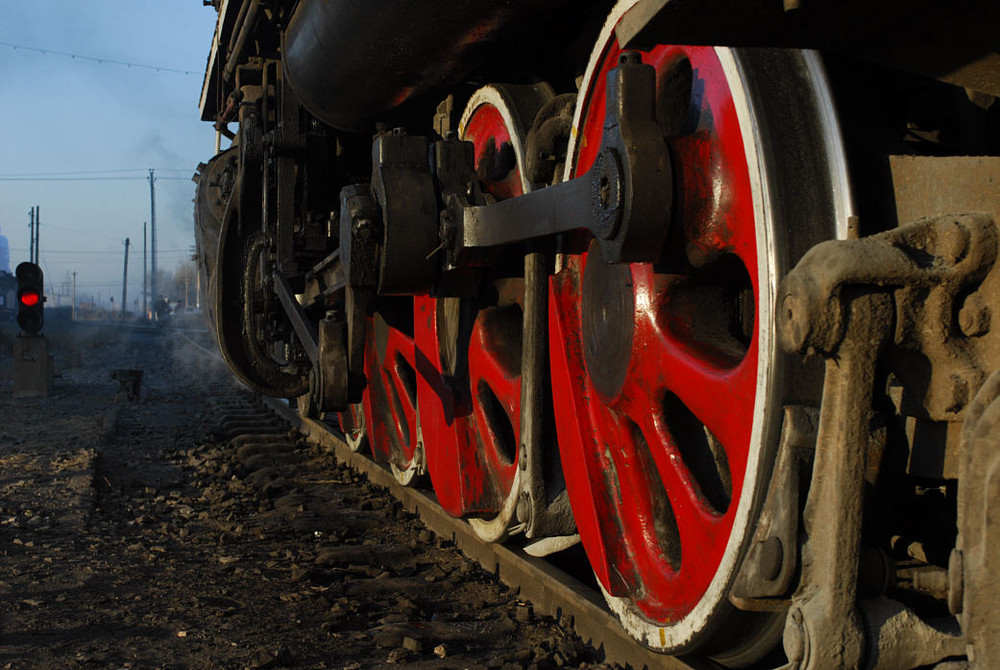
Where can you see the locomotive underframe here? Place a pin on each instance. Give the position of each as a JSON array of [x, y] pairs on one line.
[[908, 309]]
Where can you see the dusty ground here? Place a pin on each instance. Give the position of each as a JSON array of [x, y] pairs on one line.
[[139, 535]]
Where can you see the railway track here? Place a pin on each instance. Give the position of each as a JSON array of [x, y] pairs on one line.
[[551, 590]]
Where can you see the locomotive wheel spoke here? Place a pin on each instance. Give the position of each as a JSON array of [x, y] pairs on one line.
[[390, 400], [496, 386], [667, 381]]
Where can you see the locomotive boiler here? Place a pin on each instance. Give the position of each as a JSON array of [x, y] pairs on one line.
[[704, 286]]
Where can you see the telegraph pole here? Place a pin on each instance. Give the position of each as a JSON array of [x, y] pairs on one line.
[[125, 281], [152, 232], [144, 312], [73, 313], [38, 226], [31, 236]]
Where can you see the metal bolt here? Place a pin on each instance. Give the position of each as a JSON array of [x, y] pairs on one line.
[[607, 194], [770, 558], [632, 57], [974, 317], [523, 509]]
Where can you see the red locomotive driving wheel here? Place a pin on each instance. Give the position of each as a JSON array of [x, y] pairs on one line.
[[470, 400], [667, 381]]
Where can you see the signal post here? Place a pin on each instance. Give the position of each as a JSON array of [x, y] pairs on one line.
[[32, 362]]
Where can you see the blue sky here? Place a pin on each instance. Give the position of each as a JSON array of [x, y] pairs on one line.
[[64, 115]]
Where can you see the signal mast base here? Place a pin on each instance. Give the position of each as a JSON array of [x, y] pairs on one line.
[[32, 366]]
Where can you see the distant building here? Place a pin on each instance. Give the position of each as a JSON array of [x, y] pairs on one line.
[[8, 295], [4, 255]]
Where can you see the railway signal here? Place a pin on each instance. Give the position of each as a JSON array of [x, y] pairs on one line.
[[30, 298]]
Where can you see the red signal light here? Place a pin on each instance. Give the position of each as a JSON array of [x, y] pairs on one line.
[[30, 298]]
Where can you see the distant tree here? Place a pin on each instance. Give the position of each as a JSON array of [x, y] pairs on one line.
[[184, 284]]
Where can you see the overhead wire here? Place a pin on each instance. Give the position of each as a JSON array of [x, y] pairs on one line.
[[102, 61], [70, 173], [109, 178]]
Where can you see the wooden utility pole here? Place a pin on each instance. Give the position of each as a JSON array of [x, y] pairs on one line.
[[125, 281], [38, 226], [152, 232], [31, 235], [145, 313]]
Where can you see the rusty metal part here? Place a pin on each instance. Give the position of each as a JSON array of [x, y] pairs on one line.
[[974, 570], [851, 301], [824, 628], [624, 199], [766, 575], [930, 266]]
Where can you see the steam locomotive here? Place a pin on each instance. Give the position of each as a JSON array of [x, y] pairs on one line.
[[704, 286]]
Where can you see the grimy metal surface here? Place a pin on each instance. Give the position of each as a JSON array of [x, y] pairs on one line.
[[550, 590]]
